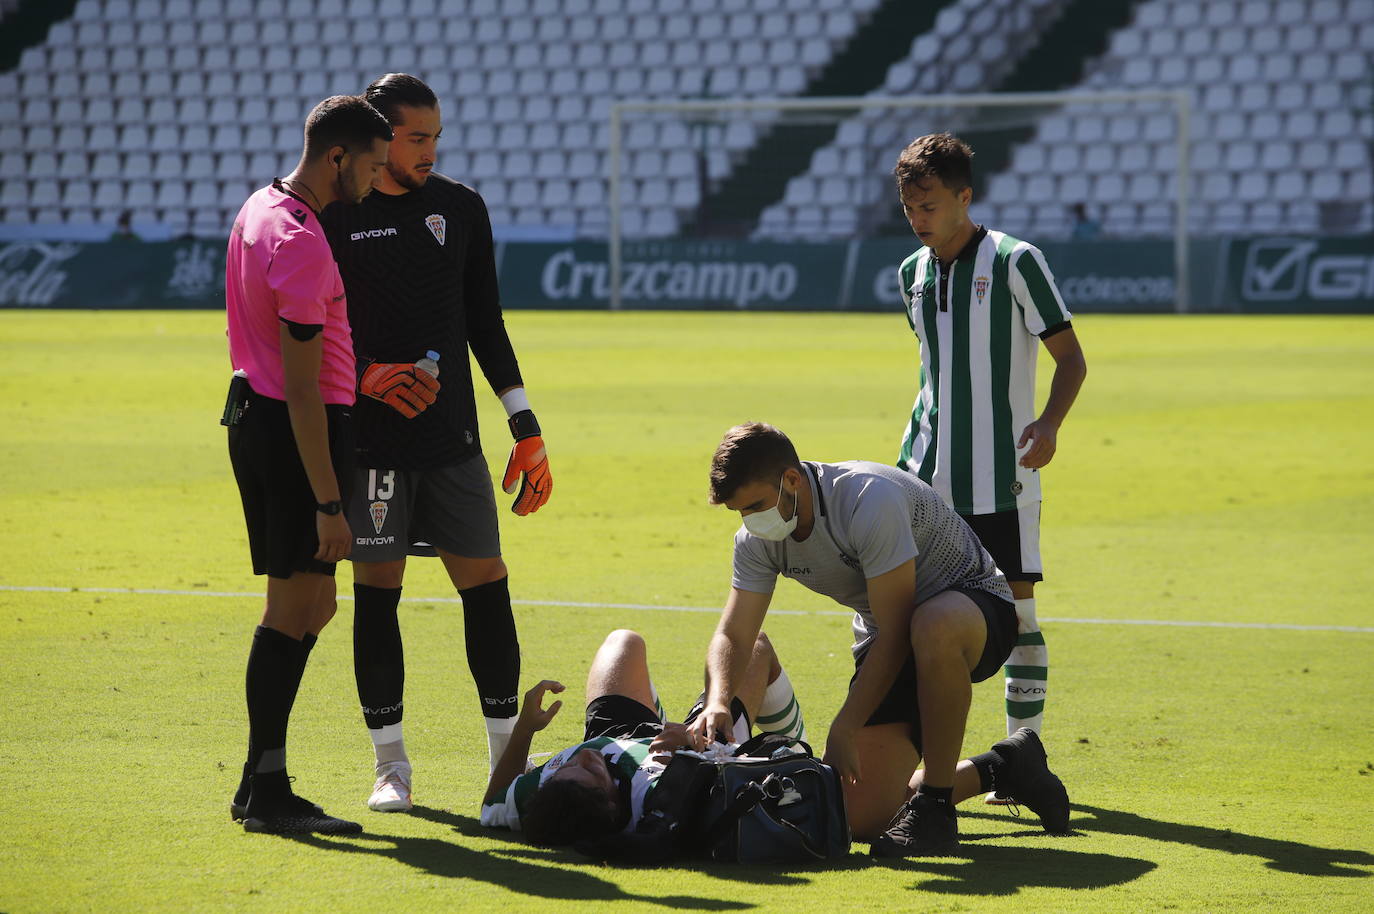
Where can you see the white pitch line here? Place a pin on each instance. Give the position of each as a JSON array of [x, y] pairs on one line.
[[658, 607]]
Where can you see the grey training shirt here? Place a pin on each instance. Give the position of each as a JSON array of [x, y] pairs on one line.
[[870, 518]]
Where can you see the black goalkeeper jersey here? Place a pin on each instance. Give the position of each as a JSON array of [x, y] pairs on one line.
[[420, 273]]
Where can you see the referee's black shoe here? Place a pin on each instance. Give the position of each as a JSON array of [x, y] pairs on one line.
[[921, 828], [274, 809], [295, 816], [238, 806], [1025, 775], [239, 811]]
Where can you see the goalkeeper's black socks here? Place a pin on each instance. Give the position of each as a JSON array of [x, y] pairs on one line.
[[493, 650], [378, 655], [492, 646]]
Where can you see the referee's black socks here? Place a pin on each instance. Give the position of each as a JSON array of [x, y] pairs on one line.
[[276, 663]]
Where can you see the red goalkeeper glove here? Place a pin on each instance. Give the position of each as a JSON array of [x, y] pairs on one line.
[[530, 459], [400, 386]]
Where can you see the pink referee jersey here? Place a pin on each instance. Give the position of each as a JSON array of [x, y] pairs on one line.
[[279, 267]]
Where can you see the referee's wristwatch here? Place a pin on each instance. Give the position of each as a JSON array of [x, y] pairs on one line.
[[330, 507]]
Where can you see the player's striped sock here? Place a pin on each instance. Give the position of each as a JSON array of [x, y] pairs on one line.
[[658, 705], [1027, 670], [780, 711]]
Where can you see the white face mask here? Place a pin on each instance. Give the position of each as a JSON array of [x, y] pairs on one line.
[[769, 525]]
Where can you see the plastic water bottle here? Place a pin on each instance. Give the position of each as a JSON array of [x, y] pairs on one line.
[[430, 363]]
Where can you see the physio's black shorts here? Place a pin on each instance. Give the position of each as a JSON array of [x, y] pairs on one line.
[[900, 704], [621, 717], [278, 503]]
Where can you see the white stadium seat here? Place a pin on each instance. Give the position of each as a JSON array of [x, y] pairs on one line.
[[128, 79], [1277, 156], [1253, 186]]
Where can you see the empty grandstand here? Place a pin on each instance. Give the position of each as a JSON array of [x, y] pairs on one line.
[[176, 109]]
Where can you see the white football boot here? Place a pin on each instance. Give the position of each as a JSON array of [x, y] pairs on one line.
[[391, 793]]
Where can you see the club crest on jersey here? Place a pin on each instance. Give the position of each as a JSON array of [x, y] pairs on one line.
[[436, 224], [980, 288], [378, 509]]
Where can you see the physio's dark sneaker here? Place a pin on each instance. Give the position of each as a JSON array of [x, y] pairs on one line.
[[1027, 778], [295, 815], [998, 799], [921, 828]]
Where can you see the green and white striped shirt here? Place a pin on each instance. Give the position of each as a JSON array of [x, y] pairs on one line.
[[627, 759], [979, 320]]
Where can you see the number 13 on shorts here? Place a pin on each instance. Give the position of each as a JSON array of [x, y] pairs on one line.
[[384, 491]]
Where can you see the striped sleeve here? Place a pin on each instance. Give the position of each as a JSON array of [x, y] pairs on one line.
[[906, 275], [1034, 291], [906, 299], [505, 812]]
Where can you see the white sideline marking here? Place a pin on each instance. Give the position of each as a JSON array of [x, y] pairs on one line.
[[160, 592]]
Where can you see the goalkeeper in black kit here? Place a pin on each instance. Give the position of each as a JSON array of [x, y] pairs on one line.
[[418, 268]]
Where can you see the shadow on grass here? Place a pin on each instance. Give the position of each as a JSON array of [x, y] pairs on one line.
[[551, 878], [471, 828], [1285, 856], [1002, 871]]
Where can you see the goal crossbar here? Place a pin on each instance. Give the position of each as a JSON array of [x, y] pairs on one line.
[[1180, 99]]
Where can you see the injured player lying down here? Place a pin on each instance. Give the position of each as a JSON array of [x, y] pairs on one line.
[[598, 787]]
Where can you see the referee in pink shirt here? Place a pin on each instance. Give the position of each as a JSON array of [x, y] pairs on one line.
[[290, 437]]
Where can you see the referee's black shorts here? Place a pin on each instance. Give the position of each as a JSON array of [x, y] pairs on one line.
[[278, 503]]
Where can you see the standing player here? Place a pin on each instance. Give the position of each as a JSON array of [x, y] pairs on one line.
[[932, 615], [290, 435], [979, 300], [418, 261]]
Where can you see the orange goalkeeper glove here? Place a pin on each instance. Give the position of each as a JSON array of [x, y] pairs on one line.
[[530, 459], [400, 386]]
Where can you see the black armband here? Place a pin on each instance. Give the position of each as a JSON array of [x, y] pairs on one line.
[[302, 333], [523, 425], [1057, 328]]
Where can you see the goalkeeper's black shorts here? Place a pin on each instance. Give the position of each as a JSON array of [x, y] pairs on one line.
[[278, 503]]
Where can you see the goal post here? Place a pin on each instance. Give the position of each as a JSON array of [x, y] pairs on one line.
[[729, 136]]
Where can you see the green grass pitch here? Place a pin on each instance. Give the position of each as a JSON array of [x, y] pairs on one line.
[[1215, 470]]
